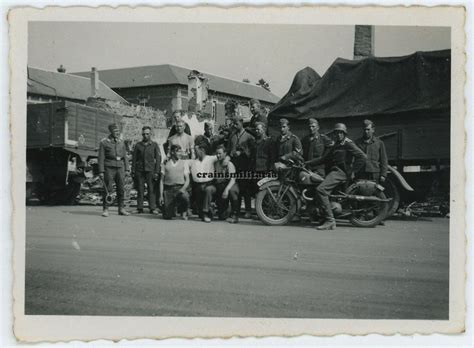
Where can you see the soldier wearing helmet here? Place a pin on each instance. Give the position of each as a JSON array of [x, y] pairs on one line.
[[338, 160]]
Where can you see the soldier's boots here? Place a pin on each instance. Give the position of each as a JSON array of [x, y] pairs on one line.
[[330, 223], [105, 213], [123, 212]]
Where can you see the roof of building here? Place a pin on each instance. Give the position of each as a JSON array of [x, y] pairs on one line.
[[62, 85], [167, 74]]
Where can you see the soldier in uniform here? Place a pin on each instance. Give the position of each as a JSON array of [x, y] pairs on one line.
[[376, 166], [242, 151], [113, 165], [146, 162], [314, 145], [288, 145], [338, 160], [265, 149], [258, 115], [211, 140]]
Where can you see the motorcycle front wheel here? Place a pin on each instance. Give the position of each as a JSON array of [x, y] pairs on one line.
[[366, 213], [275, 205]]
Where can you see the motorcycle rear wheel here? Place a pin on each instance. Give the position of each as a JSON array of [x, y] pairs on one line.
[[370, 213], [271, 213]]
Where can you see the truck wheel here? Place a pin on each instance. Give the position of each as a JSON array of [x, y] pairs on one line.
[[392, 191]]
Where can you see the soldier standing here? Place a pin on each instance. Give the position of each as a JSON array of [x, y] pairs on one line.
[[146, 163], [265, 149], [113, 165], [226, 186], [314, 145], [178, 116], [242, 151], [184, 140], [376, 166], [258, 115], [288, 144], [210, 139]]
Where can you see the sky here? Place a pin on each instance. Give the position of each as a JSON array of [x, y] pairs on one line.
[[236, 51]]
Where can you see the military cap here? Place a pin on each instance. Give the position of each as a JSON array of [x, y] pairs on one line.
[[313, 120], [254, 101], [207, 124], [112, 127], [340, 127], [368, 123], [284, 122]]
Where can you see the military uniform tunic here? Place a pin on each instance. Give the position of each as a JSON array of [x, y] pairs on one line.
[[113, 163], [376, 164], [288, 145], [313, 147]]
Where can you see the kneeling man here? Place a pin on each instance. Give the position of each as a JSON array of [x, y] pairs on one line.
[[173, 185]]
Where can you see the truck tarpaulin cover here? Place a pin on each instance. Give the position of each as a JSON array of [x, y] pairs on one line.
[[370, 86]]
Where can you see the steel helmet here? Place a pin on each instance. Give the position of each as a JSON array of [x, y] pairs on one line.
[[340, 127]]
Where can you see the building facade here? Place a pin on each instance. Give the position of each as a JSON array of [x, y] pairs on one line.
[[169, 87]]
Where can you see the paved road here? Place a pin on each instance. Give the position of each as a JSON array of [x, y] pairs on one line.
[[82, 264]]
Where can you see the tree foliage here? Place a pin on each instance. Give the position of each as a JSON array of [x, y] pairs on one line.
[[264, 84]]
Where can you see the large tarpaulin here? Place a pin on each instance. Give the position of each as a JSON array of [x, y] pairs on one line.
[[371, 86]]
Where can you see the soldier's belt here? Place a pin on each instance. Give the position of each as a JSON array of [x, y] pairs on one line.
[[115, 158]]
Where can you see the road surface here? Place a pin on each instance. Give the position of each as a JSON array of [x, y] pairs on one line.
[[79, 263]]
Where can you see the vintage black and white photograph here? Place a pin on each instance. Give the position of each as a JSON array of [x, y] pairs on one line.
[[238, 170]]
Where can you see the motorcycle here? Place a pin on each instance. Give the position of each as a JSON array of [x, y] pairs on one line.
[[363, 203]]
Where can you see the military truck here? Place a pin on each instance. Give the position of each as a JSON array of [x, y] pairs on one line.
[[62, 137]]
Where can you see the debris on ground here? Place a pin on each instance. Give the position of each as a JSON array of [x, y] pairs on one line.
[[432, 207]]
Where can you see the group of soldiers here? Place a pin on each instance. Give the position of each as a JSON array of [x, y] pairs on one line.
[[197, 171]]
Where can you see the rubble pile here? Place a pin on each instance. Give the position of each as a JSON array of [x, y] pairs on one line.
[[134, 117], [432, 207], [92, 189]]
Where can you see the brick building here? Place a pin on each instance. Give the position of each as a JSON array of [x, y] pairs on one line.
[[168, 87]]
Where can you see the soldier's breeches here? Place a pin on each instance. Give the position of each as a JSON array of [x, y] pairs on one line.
[[333, 179]]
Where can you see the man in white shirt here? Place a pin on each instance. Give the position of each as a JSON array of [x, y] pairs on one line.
[[174, 184], [202, 170], [185, 141]]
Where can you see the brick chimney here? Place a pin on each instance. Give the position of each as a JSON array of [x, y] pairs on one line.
[[363, 41], [197, 90], [94, 83]]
